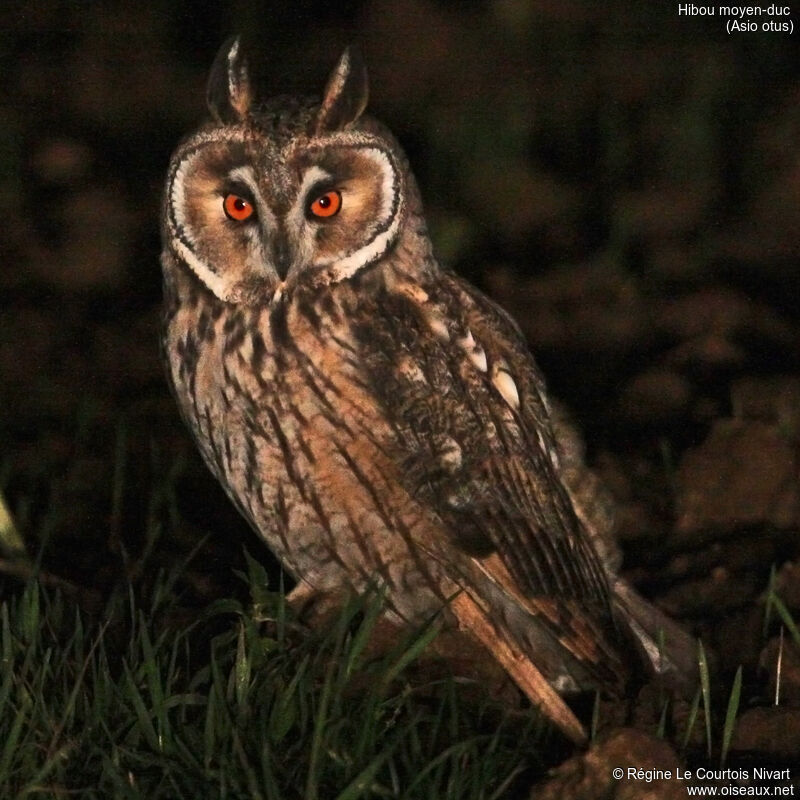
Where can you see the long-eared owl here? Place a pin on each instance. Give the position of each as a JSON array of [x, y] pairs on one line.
[[376, 419]]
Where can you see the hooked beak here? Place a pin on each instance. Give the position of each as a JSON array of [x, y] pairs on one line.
[[281, 257]]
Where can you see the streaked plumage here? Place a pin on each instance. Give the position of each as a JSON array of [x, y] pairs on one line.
[[374, 417]]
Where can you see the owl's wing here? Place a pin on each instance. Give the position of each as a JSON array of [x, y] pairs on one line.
[[475, 445]]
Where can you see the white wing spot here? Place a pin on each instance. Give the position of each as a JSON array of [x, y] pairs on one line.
[[439, 327], [475, 353], [478, 357], [415, 293], [408, 369], [505, 384]]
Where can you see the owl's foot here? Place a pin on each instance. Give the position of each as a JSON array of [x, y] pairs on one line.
[[314, 608]]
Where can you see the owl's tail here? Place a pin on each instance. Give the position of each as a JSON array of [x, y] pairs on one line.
[[547, 646], [472, 617], [575, 653], [668, 651]]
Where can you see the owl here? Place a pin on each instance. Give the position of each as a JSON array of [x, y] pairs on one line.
[[376, 419]]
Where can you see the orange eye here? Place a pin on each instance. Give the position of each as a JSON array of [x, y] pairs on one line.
[[237, 208], [326, 205]]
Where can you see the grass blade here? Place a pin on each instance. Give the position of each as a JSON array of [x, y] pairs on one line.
[[10, 539], [768, 604], [786, 618], [779, 670], [362, 782], [691, 720], [661, 731], [705, 687], [421, 640], [730, 716]]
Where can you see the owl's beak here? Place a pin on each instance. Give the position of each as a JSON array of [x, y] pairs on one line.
[[281, 257]]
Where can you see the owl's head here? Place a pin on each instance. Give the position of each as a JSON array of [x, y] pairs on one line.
[[293, 192]]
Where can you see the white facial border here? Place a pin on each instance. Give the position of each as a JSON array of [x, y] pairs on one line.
[[388, 216], [178, 226]]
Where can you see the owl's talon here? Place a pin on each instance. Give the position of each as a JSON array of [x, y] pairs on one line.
[[313, 608]]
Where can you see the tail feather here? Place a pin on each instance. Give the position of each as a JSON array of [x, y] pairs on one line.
[[524, 673], [548, 647], [574, 648], [666, 648], [552, 646]]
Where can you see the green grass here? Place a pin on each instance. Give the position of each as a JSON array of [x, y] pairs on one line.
[[142, 690], [773, 606], [143, 695], [133, 705], [728, 728]]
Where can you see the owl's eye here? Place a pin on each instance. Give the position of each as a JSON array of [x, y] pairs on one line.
[[237, 208], [326, 205]]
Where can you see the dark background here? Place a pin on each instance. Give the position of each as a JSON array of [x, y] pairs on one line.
[[626, 181]]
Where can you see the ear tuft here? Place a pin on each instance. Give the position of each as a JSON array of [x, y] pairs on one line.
[[229, 93], [345, 95]]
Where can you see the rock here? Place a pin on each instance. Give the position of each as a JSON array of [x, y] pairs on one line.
[[683, 566], [717, 329], [744, 554], [96, 231], [590, 776], [663, 211], [768, 230], [716, 593], [744, 474], [722, 312], [637, 522], [770, 226], [507, 208], [775, 399], [773, 731], [721, 577], [709, 352], [61, 160], [632, 482], [712, 310], [655, 396], [593, 307]]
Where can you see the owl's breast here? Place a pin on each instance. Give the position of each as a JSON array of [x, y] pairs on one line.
[[284, 415]]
